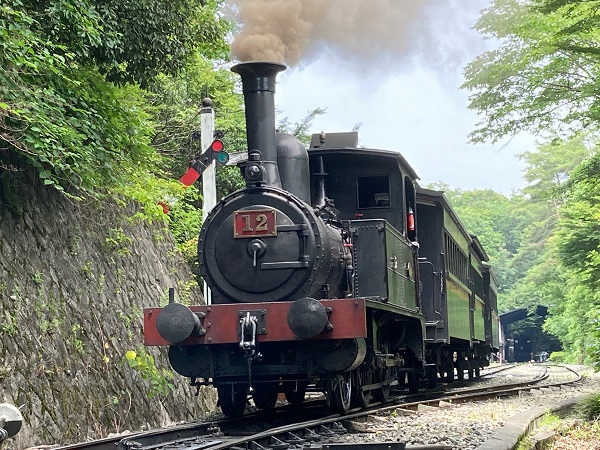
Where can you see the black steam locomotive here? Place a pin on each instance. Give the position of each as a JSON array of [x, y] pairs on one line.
[[331, 270]]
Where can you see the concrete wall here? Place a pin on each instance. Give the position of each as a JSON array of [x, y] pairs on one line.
[[74, 278]]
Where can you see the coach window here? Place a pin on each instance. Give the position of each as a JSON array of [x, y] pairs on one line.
[[373, 192]]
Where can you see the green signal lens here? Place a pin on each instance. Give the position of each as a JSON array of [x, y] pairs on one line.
[[222, 157]]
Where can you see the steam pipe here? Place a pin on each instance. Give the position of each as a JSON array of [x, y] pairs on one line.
[[320, 200], [258, 83]]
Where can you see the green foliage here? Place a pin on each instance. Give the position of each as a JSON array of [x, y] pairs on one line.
[[159, 381], [589, 407], [559, 357], [76, 129], [185, 219], [301, 129], [229, 179], [156, 36], [545, 74], [131, 40], [118, 241], [60, 115], [579, 236], [576, 242], [178, 101], [76, 335]]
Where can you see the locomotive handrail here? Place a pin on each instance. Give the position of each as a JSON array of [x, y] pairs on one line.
[[285, 265]]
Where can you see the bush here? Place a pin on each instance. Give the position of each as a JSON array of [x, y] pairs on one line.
[[589, 408], [559, 357]]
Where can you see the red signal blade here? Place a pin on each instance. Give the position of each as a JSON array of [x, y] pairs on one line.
[[189, 177]]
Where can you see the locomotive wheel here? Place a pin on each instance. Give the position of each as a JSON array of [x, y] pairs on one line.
[[362, 378], [296, 397], [477, 372], [264, 398], [232, 400], [382, 394], [339, 392]]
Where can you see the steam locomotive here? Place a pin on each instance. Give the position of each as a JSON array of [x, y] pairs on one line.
[[332, 270]]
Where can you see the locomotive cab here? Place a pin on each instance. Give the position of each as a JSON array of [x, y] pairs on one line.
[[364, 183], [373, 193]]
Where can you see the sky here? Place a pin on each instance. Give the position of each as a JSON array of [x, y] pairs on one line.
[[411, 102]]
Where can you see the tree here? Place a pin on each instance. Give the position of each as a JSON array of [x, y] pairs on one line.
[[543, 79], [60, 115], [579, 234], [61, 118], [301, 129], [545, 74], [131, 40], [177, 101]]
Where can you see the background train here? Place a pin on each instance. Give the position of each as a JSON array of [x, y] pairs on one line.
[[332, 270]]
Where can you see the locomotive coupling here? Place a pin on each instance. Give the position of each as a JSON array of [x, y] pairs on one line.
[[11, 421], [307, 318], [176, 323]]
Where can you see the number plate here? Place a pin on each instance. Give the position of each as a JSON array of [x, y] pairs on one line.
[[255, 223]]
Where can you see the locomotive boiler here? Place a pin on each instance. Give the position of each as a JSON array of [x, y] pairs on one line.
[[314, 273], [266, 243]]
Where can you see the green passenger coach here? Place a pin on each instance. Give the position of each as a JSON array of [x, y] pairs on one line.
[[455, 282]]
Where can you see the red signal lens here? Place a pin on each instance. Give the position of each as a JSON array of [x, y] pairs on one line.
[[217, 145]]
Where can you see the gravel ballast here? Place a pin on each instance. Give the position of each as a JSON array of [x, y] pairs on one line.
[[466, 426]]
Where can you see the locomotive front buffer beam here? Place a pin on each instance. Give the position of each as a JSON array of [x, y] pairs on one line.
[[302, 319]]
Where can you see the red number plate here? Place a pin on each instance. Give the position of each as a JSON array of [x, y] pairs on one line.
[[255, 223]]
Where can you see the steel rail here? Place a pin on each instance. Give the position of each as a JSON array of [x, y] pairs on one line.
[[307, 434]]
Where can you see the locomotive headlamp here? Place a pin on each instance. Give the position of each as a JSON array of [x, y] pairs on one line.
[[307, 318], [254, 173]]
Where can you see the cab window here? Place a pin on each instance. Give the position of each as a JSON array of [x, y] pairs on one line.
[[373, 192]]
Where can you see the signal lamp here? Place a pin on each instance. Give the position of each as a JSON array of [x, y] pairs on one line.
[[222, 157], [217, 145], [219, 154]]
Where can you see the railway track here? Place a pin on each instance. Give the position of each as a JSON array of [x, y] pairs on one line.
[[307, 428]]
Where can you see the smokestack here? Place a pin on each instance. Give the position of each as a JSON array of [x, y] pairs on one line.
[[258, 82]]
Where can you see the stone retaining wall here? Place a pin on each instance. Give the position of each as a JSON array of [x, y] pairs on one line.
[[74, 278]]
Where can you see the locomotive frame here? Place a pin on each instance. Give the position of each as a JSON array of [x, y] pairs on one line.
[[316, 270]]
